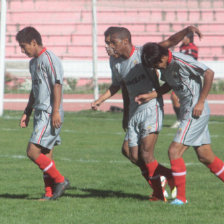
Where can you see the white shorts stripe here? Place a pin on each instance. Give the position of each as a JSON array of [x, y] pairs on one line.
[[179, 174], [48, 167], [220, 171]]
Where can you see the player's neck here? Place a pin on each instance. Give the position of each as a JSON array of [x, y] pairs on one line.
[[40, 50], [128, 53]]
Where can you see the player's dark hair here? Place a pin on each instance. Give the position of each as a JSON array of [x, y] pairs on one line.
[[152, 54], [121, 32], [190, 35], [28, 34]]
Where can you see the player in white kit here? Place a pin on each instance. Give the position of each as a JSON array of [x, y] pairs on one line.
[[46, 99], [183, 74], [145, 121]]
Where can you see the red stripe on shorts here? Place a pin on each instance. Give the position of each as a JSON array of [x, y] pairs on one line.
[[188, 123], [41, 134]]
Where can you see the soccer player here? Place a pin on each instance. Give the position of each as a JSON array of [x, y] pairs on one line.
[[144, 121], [187, 47], [46, 99], [183, 74]]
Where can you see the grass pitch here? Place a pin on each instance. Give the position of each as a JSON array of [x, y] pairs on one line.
[[105, 187]]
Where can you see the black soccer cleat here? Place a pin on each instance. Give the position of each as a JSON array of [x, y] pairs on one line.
[[59, 189]]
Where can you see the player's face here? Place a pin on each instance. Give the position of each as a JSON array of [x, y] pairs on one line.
[[186, 40], [108, 48], [117, 45], [29, 49]]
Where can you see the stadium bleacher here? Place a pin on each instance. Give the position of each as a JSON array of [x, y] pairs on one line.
[[66, 26], [66, 29]]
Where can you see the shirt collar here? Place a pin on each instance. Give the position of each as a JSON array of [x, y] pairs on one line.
[[170, 56], [132, 51]]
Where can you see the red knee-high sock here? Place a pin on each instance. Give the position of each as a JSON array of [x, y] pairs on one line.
[[144, 171], [179, 174], [217, 167], [49, 184], [155, 179], [48, 167]]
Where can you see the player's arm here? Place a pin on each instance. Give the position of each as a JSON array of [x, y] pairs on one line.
[[56, 118], [208, 79], [143, 98], [177, 37], [110, 92], [24, 121]]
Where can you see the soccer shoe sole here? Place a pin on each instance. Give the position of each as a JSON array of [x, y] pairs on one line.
[[177, 202], [45, 198]]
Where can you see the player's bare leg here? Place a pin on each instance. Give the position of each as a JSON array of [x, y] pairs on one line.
[[209, 159]]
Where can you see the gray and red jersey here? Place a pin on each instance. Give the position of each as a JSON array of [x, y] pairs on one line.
[[46, 70], [137, 79], [183, 74]]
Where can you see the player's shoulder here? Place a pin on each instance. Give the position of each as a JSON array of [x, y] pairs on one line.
[[180, 57], [50, 58]]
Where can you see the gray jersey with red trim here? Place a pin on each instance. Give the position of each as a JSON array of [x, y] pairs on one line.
[[45, 71], [183, 74], [137, 79]]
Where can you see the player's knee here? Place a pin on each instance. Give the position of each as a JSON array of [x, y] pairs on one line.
[[173, 153], [147, 156], [125, 149], [29, 153]]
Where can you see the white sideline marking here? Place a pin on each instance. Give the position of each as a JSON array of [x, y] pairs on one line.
[[14, 100], [91, 161]]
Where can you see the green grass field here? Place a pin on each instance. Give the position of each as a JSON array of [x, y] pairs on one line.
[[105, 187]]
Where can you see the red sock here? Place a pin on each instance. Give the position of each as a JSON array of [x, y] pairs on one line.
[[217, 167], [49, 183], [49, 168], [179, 174], [155, 179]]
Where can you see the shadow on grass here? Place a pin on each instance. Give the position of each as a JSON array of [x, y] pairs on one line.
[[97, 193], [14, 196]]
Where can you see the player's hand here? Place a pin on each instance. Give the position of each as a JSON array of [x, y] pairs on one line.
[[56, 119], [95, 105], [195, 30], [198, 110], [144, 98], [24, 121]]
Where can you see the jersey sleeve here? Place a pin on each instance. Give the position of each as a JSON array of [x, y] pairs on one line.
[[54, 69], [193, 67], [116, 81]]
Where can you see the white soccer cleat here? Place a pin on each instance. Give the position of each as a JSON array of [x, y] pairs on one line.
[[176, 124], [174, 192], [163, 185]]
